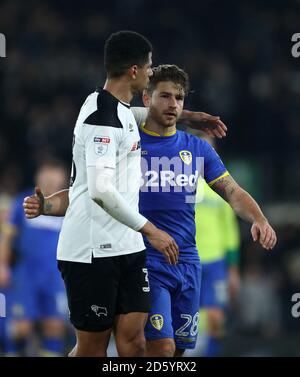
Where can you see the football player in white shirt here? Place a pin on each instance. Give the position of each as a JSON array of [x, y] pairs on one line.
[[101, 254]]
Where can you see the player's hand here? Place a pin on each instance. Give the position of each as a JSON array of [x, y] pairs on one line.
[[162, 242], [4, 275], [211, 125], [262, 231], [34, 205]]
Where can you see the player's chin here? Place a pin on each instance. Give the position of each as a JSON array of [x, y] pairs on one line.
[[169, 121], [166, 124]]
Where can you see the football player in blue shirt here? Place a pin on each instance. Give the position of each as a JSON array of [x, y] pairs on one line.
[[172, 163], [34, 288]]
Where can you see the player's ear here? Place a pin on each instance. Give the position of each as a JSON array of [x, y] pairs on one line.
[[146, 98], [133, 71]]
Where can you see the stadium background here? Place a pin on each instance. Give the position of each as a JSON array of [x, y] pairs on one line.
[[238, 55]]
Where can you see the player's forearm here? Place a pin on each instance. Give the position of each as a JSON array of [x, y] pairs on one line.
[[245, 206], [185, 117], [56, 204], [116, 206], [103, 192], [241, 202], [192, 118], [6, 248]]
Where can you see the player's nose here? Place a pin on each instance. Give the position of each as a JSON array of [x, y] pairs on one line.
[[172, 105], [173, 102]]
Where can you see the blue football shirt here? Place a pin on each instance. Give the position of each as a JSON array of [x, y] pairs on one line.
[[171, 167], [36, 239]]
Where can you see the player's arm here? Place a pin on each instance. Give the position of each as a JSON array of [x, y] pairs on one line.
[[100, 168], [104, 193], [211, 125], [53, 205], [9, 230], [140, 114], [246, 207], [8, 234]]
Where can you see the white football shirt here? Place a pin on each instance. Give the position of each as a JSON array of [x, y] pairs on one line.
[[105, 135]]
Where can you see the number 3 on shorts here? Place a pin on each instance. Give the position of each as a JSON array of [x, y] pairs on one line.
[[147, 287]]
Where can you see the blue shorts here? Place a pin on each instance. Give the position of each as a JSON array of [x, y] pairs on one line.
[[175, 300], [36, 295], [214, 292]]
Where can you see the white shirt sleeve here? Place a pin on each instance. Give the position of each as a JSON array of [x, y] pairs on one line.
[[101, 147], [140, 114], [101, 144]]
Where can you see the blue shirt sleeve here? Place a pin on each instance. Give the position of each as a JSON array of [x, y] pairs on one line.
[[213, 165]]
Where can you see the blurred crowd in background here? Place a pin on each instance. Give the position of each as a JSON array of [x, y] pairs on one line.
[[238, 56]]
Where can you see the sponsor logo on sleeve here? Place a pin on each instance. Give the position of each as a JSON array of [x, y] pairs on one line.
[[101, 145]]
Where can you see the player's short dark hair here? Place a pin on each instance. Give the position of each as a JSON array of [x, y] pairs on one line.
[[169, 72], [124, 49]]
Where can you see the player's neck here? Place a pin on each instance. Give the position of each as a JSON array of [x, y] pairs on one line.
[[153, 126], [119, 88]]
